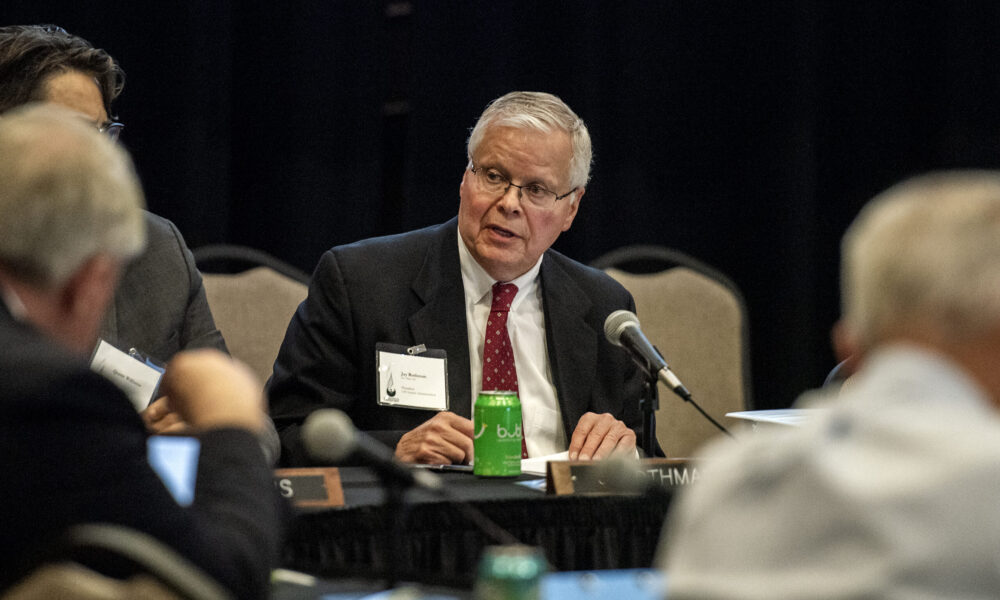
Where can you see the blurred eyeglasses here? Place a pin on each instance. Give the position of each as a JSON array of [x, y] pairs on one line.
[[112, 129]]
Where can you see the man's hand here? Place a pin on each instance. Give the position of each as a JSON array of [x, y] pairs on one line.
[[160, 419], [444, 439], [207, 389], [598, 436]]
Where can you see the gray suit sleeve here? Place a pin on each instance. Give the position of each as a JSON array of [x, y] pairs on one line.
[[160, 306], [198, 328]]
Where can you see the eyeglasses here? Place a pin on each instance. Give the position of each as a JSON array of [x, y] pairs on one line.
[[112, 129], [492, 181]]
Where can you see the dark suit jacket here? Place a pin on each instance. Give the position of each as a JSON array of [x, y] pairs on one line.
[[407, 289], [160, 306], [73, 450]]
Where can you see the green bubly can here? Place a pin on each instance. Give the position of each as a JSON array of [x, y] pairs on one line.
[[497, 442]]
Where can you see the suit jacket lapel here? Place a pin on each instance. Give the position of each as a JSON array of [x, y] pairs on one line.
[[572, 342], [441, 322]]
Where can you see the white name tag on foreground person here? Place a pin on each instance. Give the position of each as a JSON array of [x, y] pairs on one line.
[[137, 379]]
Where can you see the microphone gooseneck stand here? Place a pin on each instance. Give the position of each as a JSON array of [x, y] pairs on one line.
[[648, 405], [330, 438], [621, 328], [397, 510]]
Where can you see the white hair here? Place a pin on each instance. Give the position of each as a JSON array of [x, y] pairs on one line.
[[541, 112], [67, 193], [925, 253]]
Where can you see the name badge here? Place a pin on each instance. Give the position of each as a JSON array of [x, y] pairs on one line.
[[136, 378], [411, 377]]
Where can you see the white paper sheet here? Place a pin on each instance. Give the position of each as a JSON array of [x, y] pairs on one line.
[[536, 465], [782, 416]]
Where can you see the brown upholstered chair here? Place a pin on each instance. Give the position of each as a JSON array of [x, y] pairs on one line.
[[697, 318], [251, 308]]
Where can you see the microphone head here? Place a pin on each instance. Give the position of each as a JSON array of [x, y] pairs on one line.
[[328, 436], [617, 322]]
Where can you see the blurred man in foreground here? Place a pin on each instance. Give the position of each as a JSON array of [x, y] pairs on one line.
[[484, 280], [72, 447], [891, 493]]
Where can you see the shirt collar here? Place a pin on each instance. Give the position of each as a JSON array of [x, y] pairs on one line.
[[13, 302], [938, 378], [479, 284]]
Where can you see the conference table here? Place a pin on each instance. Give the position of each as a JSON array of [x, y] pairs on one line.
[[435, 542]]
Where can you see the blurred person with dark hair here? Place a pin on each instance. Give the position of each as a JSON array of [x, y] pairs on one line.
[[73, 447], [160, 307], [890, 491], [39, 61]]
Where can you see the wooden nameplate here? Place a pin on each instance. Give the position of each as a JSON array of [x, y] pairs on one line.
[[592, 477], [310, 487]]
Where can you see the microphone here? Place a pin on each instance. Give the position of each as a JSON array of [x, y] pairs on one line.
[[622, 329], [329, 436]]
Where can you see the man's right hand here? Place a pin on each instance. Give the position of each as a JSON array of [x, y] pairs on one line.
[[444, 439], [211, 390]]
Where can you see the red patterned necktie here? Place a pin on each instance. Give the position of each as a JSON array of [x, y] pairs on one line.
[[499, 372]]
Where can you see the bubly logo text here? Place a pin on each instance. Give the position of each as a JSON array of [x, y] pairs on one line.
[[502, 432]]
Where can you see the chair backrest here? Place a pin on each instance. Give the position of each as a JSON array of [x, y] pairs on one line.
[[252, 309], [233, 258], [70, 581], [158, 572], [697, 318]]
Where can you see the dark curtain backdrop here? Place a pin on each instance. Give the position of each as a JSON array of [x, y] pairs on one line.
[[747, 134]]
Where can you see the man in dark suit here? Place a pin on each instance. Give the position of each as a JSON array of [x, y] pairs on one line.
[[160, 307], [529, 160], [72, 447]]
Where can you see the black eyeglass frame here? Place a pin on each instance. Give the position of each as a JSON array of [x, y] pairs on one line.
[[475, 171]]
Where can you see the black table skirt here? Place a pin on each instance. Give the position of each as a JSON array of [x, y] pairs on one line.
[[437, 544]]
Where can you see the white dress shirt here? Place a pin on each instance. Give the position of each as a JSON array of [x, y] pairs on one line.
[[544, 433], [891, 493]]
